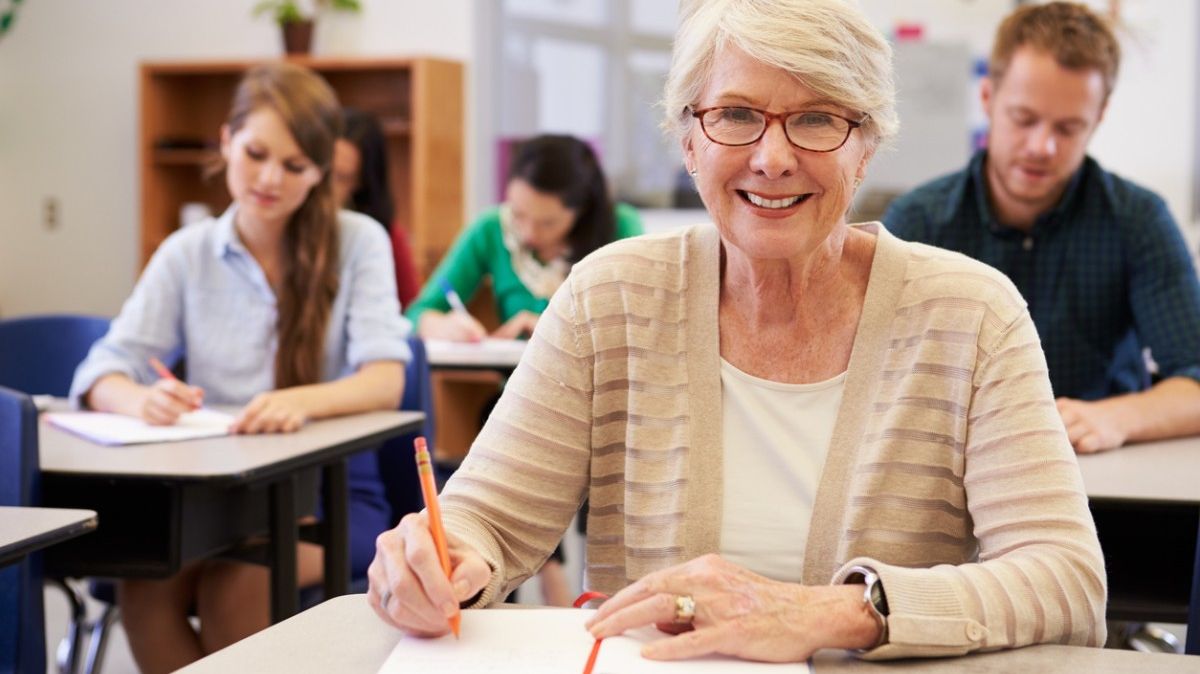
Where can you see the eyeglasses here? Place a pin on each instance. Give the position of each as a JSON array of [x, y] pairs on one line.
[[810, 130]]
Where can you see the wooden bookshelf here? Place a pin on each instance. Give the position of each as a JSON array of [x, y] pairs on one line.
[[418, 100]]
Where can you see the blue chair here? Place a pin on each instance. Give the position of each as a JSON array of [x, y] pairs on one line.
[[22, 617], [396, 464], [38, 354]]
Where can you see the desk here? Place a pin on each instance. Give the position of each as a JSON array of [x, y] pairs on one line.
[[491, 354], [343, 635], [466, 378], [26, 530], [164, 505], [1155, 473]]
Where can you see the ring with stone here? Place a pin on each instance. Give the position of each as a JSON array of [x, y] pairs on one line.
[[685, 609]]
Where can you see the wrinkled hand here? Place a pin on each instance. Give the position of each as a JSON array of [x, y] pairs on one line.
[[406, 564], [271, 412], [522, 324], [1090, 427], [738, 613], [167, 399], [455, 326]]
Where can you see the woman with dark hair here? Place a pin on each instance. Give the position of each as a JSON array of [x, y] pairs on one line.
[[557, 210], [283, 305], [360, 183]]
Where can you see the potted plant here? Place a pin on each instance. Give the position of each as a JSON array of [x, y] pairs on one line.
[[296, 25]]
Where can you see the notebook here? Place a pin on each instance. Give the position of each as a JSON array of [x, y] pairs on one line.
[[551, 641], [118, 429], [487, 353]]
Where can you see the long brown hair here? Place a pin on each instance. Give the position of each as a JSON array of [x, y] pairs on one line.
[[310, 110]]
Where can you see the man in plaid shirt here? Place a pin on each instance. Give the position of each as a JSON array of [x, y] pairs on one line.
[[1099, 259]]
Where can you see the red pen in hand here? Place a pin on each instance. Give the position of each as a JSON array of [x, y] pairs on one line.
[[167, 374]]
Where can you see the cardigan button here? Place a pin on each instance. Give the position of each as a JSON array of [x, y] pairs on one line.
[[974, 631]]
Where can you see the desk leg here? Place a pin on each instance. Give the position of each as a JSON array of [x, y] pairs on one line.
[[335, 496], [285, 597], [1193, 627]]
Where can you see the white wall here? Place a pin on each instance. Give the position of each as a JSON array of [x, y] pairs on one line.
[[68, 112], [68, 122], [1148, 133]]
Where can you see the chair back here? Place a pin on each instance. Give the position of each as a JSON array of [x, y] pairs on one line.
[[22, 619], [39, 354], [397, 465]]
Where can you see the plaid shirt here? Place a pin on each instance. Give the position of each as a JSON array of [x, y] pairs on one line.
[[1106, 273]]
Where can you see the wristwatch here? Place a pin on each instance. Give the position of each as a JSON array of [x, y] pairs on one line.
[[873, 597]]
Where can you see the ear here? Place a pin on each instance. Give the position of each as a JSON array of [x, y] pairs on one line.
[[689, 159], [225, 139], [861, 171], [986, 89]]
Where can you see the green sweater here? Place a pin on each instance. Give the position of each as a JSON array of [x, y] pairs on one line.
[[478, 252]]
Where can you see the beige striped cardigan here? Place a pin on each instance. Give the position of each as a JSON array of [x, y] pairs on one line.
[[949, 471]]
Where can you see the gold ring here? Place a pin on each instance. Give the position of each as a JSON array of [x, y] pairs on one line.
[[685, 609]]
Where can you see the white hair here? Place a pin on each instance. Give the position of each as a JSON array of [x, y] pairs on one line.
[[828, 45]]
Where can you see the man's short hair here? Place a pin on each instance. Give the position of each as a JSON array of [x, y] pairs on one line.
[[1073, 34]]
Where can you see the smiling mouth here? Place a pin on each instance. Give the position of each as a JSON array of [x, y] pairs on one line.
[[763, 202]]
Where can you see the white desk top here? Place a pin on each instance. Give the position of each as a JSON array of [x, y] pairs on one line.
[[26, 530], [1154, 471], [233, 457], [501, 354], [343, 635]]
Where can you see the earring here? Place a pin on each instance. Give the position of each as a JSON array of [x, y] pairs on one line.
[[692, 173]]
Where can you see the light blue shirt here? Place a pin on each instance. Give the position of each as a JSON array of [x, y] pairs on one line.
[[203, 295]]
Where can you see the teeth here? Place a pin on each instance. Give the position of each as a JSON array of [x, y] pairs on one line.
[[771, 203]]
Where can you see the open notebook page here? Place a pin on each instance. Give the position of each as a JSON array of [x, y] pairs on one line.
[[118, 429], [550, 641]]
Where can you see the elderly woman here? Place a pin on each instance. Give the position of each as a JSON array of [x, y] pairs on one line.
[[795, 433]]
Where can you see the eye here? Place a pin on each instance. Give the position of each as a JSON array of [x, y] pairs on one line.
[[255, 153], [738, 116], [812, 120], [1023, 119], [295, 167]]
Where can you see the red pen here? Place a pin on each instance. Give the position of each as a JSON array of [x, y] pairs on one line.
[[167, 374], [161, 369]]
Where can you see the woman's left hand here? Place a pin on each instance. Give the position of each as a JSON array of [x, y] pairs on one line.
[[521, 324], [737, 613], [272, 412]]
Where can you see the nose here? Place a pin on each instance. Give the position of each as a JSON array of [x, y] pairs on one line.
[[271, 173], [774, 155], [1041, 141]]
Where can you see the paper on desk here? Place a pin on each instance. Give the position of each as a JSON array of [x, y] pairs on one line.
[[486, 352], [118, 429], [550, 641]]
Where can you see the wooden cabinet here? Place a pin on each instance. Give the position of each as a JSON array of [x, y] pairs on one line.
[[418, 100]]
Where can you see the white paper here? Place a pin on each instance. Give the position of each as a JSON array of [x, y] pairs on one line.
[[118, 429], [489, 352], [550, 641]]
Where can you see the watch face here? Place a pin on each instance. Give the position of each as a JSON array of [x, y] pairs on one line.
[[878, 598]]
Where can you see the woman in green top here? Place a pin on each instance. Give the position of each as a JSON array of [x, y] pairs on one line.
[[557, 210]]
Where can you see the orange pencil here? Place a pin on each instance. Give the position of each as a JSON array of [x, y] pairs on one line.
[[429, 493]]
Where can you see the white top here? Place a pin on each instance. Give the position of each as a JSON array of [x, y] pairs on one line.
[[776, 437]]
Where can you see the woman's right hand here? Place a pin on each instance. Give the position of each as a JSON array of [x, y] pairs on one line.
[[407, 576], [455, 326], [164, 401]]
